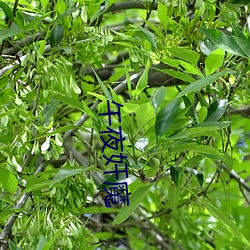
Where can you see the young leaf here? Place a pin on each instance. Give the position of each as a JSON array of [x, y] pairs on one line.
[[162, 12], [202, 114], [8, 180], [214, 61], [134, 201], [166, 117], [56, 35], [104, 89], [186, 54]]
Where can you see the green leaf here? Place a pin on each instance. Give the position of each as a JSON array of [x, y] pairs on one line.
[[9, 32], [177, 74], [197, 85], [214, 61], [186, 54], [8, 180], [193, 132], [173, 196], [112, 179], [9, 211], [143, 81], [13, 246], [98, 210], [227, 223], [162, 12], [158, 97], [216, 110], [244, 45], [245, 2], [134, 201], [194, 161], [104, 89], [44, 3], [49, 244], [202, 114], [198, 175], [56, 35], [70, 101], [223, 41], [166, 117], [68, 12], [7, 10], [36, 184], [66, 172], [219, 125], [147, 35], [174, 172], [41, 243], [49, 110]]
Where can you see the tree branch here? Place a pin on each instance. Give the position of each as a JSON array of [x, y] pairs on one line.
[[236, 177], [20, 203]]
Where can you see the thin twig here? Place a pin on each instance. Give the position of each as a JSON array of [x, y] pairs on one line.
[[235, 176], [148, 14]]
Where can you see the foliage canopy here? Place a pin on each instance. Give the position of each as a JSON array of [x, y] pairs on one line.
[[181, 70]]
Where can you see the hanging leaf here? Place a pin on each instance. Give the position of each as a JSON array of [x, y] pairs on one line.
[[174, 172], [198, 175], [7, 10], [104, 89], [166, 117], [173, 196], [143, 81], [56, 35], [134, 201]]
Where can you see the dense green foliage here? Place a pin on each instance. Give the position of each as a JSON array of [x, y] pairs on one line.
[[180, 68]]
